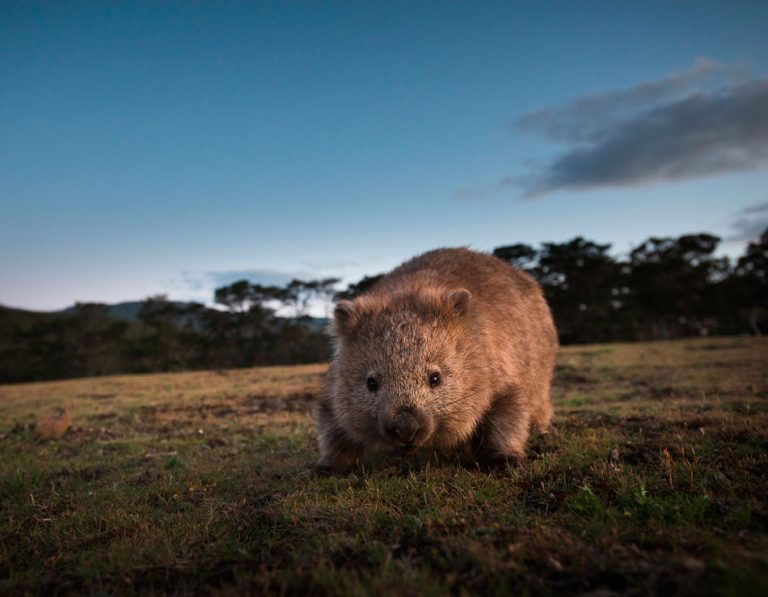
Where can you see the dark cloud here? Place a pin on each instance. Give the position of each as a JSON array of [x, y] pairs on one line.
[[591, 118], [759, 208], [707, 120], [751, 222]]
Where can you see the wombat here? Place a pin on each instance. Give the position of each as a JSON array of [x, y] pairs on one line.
[[451, 351]]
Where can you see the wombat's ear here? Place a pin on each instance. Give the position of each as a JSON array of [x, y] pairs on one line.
[[459, 300], [343, 316]]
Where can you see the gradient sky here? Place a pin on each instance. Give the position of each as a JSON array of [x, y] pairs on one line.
[[169, 148]]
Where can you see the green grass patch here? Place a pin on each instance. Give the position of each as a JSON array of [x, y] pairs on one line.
[[203, 482]]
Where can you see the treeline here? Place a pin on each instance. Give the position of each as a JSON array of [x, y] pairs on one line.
[[664, 288], [167, 336]]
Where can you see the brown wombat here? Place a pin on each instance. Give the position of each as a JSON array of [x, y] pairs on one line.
[[452, 350]]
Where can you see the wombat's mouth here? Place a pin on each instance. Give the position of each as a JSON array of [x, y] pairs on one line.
[[409, 446]]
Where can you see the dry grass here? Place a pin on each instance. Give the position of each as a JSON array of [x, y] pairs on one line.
[[203, 482]]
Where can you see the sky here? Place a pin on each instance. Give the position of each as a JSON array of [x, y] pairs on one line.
[[150, 148]]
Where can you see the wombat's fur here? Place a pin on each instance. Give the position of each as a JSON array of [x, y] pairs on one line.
[[482, 326]]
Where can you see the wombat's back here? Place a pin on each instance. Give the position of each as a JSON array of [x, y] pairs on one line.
[[498, 289], [482, 274], [508, 307]]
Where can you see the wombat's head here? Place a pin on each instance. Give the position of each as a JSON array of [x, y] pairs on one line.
[[404, 368]]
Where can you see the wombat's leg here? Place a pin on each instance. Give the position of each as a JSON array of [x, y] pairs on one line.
[[337, 452], [504, 431], [541, 415]]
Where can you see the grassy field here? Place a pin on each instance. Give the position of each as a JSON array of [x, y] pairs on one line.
[[203, 482]]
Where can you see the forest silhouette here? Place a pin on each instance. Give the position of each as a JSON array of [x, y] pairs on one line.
[[664, 288]]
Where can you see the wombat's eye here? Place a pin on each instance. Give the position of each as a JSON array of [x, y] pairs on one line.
[[372, 384], [434, 379]]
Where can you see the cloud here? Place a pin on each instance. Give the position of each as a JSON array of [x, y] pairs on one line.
[[476, 195], [751, 222], [594, 117], [759, 208], [267, 277], [708, 120]]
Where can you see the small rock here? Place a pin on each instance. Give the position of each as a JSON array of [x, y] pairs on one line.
[[54, 425]]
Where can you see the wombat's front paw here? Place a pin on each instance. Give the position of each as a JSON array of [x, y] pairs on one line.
[[550, 430], [497, 462], [326, 467]]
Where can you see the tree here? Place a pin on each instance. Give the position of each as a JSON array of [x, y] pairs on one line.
[[582, 283], [325, 292], [266, 296], [159, 347], [236, 297], [749, 284], [299, 293], [95, 340], [754, 263], [674, 284], [518, 255]]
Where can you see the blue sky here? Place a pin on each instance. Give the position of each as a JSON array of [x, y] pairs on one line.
[[169, 148]]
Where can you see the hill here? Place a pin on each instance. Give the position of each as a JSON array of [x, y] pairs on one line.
[[126, 311], [200, 482]]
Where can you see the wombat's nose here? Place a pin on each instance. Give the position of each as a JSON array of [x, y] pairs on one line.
[[403, 427]]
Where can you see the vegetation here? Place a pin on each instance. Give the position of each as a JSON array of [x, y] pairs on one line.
[[665, 288], [203, 482]]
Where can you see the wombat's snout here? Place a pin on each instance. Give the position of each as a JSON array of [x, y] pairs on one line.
[[406, 429]]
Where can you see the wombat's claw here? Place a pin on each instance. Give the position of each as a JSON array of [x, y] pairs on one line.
[[497, 463], [551, 430]]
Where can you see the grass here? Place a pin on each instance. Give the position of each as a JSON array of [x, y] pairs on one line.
[[203, 482]]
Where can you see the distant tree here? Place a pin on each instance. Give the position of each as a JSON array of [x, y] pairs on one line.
[[159, 347], [754, 263], [240, 336], [583, 284], [299, 293], [325, 292], [748, 286], [82, 342], [267, 296], [519, 255], [96, 340], [673, 283], [35, 348], [236, 296]]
